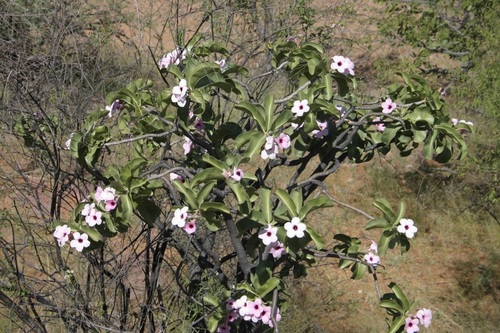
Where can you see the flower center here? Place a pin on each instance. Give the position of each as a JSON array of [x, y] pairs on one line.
[[295, 227]]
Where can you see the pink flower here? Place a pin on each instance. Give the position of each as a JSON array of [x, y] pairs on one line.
[[342, 110], [425, 317], [232, 316], [342, 65], [270, 149], [174, 176], [224, 328], [372, 258], [68, 142], [190, 227], [87, 209], [269, 234], [180, 216], [323, 130], [300, 107], [380, 126], [283, 141], [237, 174], [103, 195], [265, 314], [277, 249], [230, 304], [111, 204], [241, 305], [388, 106], [94, 217], [173, 57], [454, 121], [406, 227], [295, 228], [187, 145], [199, 125], [62, 234], [222, 64], [115, 107], [179, 93], [374, 247], [411, 325], [278, 317], [255, 309], [80, 241], [297, 126]]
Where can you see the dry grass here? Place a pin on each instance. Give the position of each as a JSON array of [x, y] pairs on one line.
[[452, 267]]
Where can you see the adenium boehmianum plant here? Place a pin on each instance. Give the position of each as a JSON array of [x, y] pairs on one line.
[[209, 139]]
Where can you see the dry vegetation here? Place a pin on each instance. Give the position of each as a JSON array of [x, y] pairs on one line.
[[453, 267]]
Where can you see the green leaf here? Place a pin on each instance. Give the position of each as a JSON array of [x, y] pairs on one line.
[[75, 144], [284, 117], [327, 79], [213, 223], [376, 223], [343, 264], [255, 111], [391, 304], [401, 213], [389, 133], [400, 296], [385, 207], [457, 137], [358, 271], [268, 287], [109, 225], [318, 240], [265, 198], [287, 200], [228, 130], [206, 175], [132, 169], [205, 191], [245, 137], [189, 195], [214, 162], [428, 150], [383, 243], [92, 232], [213, 323], [239, 192], [124, 213], [315, 47], [421, 113], [215, 47], [296, 196], [149, 211], [215, 206], [342, 85], [268, 111], [211, 299], [397, 325], [255, 145], [313, 204], [203, 74]]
